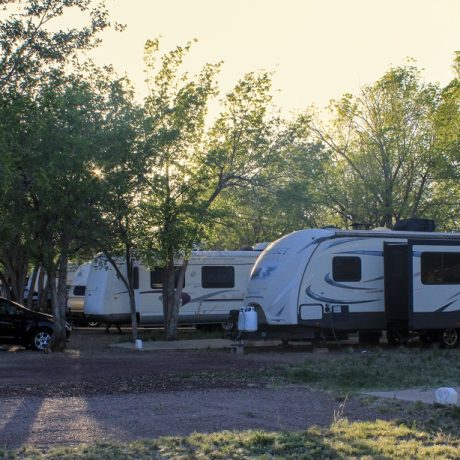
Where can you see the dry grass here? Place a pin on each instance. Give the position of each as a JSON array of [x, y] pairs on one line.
[[379, 439]]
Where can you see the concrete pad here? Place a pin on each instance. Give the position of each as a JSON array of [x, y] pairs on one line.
[[413, 395], [198, 344], [178, 344]]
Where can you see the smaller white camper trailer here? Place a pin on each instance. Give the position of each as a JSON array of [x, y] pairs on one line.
[[215, 283], [76, 298], [318, 282], [71, 272]]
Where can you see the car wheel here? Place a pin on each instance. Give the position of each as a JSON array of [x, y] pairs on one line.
[[40, 339], [449, 338], [93, 324]]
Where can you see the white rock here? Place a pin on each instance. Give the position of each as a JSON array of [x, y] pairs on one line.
[[446, 396]]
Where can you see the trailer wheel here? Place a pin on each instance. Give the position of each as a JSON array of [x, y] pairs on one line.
[[396, 338], [427, 338], [449, 338], [369, 337], [228, 326]]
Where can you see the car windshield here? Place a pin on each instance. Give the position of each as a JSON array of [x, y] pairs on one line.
[[8, 307]]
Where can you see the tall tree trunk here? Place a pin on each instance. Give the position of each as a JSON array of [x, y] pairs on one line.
[[33, 282], [42, 290], [169, 299], [62, 284], [132, 297], [16, 268], [6, 291], [58, 299], [21, 278], [128, 282], [175, 301]]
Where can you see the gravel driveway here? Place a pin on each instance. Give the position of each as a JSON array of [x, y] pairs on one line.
[[94, 393]]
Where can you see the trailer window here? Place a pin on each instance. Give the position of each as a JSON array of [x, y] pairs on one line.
[[346, 269], [440, 268], [157, 277], [218, 277], [79, 290]]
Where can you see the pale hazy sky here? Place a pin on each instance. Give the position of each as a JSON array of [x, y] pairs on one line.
[[318, 49]]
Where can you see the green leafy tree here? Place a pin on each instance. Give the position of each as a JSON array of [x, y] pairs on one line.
[[59, 181], [382, 149], [448, 145], [121, 171], [176, 108], [30, 44], [192, 167], [33, 52], [17, 115], [283, 199]]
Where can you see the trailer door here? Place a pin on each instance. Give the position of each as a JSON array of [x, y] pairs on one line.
[[396, 278]]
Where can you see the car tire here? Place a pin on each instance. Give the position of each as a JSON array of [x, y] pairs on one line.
[[93, 324], [40, 339]]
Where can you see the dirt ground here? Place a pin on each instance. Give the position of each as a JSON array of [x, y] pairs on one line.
[[96, 393]]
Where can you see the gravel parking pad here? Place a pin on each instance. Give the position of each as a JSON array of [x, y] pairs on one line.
[[43, 422], [96, 393]]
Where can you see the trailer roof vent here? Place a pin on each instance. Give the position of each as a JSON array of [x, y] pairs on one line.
[[415, 225]]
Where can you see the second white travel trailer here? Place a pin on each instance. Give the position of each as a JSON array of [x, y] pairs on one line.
[[215, 283], [76, 297], [328, 282], [71, 272]]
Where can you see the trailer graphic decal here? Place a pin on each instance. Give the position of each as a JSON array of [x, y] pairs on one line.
[[321, 298], [363, 252], [455, 295], [445, 306], [317, 241], [262, 272], [331, 282], [342, 241]]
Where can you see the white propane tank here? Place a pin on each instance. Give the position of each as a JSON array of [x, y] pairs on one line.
[[250, 319], [241, 321], [247, 319]]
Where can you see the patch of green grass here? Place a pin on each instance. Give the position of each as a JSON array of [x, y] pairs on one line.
[[378, 439], [379, 370]]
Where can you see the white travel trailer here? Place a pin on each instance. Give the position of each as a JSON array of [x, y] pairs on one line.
[[71, 272], [328, 282], [76, 298], [215, 283]]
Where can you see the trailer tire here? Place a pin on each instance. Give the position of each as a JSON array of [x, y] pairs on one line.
[[448, 338], [369, 337], [228, 326], [427, 338], [395, 338]]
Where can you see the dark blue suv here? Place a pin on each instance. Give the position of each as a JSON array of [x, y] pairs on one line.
[[21, 326]]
